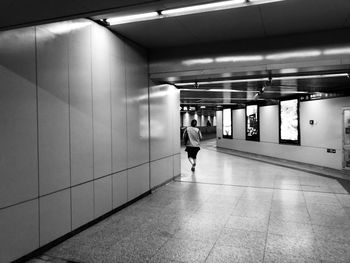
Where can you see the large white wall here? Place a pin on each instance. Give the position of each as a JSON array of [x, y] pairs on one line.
[[75, 135], [315, 139]]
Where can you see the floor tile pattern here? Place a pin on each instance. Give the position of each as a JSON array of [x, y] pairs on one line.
[[231, 209]]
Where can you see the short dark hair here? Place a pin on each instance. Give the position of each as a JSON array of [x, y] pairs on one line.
[[193, 123]]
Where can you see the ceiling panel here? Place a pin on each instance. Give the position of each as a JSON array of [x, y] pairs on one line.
[[154, 34], [299, 16], [224, 25]]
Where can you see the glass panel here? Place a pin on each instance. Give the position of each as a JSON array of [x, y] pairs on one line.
[[289, 120]]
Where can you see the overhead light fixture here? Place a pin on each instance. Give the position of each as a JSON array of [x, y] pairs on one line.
[[188, 10], [191, 62], [194, 9], [239, 59], [210, 7], [296, 54], [336, 75], [337, 51], [202, 107], [132, 18], [221, 81]]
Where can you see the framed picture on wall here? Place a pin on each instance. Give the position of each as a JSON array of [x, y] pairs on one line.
[[252, 122], [227, 123], [289, 121]]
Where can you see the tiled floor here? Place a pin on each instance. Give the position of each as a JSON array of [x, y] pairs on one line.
[[231, 209]]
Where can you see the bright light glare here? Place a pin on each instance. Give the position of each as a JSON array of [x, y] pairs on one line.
[[65, 27], [133, 18], [337, 51], [297, 54], [198, 61], [238, 59]]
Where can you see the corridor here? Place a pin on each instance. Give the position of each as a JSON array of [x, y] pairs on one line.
[[231, 209]]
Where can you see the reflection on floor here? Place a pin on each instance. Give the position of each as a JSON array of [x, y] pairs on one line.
[[231, 209]]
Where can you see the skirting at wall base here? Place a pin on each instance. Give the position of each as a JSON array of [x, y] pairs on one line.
[[54, 243]]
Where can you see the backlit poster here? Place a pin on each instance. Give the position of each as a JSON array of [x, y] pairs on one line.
[[227, 123], [252, 123], [289, 121]]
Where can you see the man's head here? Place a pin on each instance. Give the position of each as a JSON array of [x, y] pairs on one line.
[[193, 123]]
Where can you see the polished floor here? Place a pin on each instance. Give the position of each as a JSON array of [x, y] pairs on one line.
[[231, 209]]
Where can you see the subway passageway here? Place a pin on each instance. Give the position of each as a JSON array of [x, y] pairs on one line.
[[232, 209]]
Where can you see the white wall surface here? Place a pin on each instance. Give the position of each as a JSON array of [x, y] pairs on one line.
[[315, 139], [75, 135]]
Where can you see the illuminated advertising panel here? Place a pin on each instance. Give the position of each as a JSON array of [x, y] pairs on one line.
[[252, 123], [227, 123], [289, 121]]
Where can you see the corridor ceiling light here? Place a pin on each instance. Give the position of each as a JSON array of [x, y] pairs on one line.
[[191, 62], [297, 54], [219, 82], [238, 59], [202, 107], [337, 51], [216, 6], [231, 90], [194, 9], [203, 8], [132, 18], [336, 75]]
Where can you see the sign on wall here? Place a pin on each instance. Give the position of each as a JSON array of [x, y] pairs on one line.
[[252, 123], [227, 123], [289, 121]]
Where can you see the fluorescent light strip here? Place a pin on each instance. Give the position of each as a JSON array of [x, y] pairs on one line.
[[312, 76], [221, 81], [239, 59], [203, 8], [133, 18], [188, 10], [337, 51], [297, 54]]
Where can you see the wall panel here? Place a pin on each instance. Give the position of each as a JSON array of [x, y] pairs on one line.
[[161, 118], [137, 106], [161, 171], [177, 164], [53, 108], [120, 188], [101, 101], [269, 124], [19, 228], [80, 103], [82, 204], [55, 216], [18, 119], [138, 181], [238, 123], [103, 195], [118, 105]]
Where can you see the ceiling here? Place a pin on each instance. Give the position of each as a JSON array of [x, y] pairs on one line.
[[247, 24]]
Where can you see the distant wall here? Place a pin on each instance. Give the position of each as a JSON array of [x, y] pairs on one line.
[[315, 139], [76, 140]]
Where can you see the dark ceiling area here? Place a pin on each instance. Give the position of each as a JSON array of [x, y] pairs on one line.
[[292, 20]]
